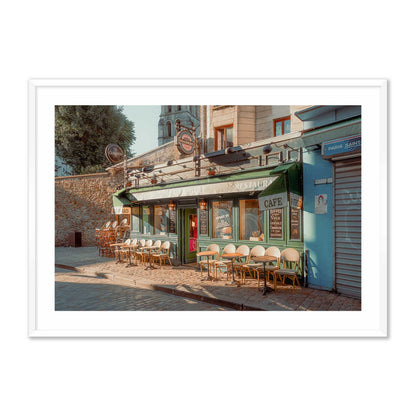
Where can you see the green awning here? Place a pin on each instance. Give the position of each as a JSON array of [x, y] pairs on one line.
[[120, 201], [285, 190]]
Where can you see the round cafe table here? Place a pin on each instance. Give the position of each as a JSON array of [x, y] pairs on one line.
[[208, 254], [232, 257], [129, 247], [118, 252], [264, 260], [149, 249]]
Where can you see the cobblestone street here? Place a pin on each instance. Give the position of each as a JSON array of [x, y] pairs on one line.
[[186, 282], [97, 295]]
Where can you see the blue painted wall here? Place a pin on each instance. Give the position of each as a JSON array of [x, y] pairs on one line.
[[318, 228]]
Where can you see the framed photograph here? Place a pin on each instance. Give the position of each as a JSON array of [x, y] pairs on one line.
[[113, 165]]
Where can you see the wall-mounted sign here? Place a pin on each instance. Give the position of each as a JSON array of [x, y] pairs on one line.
[[185, 142], [276, 223], [114, 153], [172, 221], [203, 222], [341, 146], [321, 206], [294, 224]]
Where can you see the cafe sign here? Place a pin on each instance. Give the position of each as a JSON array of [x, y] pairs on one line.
[[185, 142]]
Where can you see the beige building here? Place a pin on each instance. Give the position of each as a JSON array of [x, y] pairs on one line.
[[232, 125]]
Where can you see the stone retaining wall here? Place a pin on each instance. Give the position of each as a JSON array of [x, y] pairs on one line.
[[82, 204]]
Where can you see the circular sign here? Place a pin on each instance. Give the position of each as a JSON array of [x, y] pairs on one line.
[[114, 153], [185, 142]]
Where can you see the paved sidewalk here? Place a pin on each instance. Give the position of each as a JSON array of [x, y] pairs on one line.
[[186, 281]]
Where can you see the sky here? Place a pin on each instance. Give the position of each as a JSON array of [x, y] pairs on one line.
[[145, 119]]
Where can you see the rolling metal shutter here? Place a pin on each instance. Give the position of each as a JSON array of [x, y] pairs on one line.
[[347, 194]]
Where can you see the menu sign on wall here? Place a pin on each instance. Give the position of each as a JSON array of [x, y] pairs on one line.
[[172, 221], [276, 223], [294, 224], [203, 222]]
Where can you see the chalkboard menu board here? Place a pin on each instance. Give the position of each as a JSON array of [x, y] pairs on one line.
[[294, 224], [276, 223], [172, 221], [203, 222]]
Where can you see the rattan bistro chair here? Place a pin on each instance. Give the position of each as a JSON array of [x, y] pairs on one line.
[[211, 247], [156, 249], [162, 255], [229, 248], [119, 250], [249, 267], [244, 250], [270, 267], [124, 252], [291, 260]]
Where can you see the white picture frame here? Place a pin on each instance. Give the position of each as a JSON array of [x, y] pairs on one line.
[[44, 321]]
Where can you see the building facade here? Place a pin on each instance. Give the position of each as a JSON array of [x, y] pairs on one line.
[[188, 115], [285, 176]]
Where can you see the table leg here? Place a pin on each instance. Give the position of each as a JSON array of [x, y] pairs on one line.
[[209, 276], [265, 287], [129, 263], [233, 281], [150, 266]]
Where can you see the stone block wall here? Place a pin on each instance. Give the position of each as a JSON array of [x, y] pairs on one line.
[[82, 204]]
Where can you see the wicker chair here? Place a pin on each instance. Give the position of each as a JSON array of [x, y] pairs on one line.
[[270, 268], [291, 261], [249, 267], [136, 253], [140, 252], [119, 250], [156, 249], [162, 255], [211, 247], [241, 261], [124, 252], [217, 264]]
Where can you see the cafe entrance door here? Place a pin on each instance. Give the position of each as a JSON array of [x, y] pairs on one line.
[[189, 234]]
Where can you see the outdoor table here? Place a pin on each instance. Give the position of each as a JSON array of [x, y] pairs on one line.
[[208, 254], [264, 260], [118, 253], [129, 247], [149, 249], [232, 257]]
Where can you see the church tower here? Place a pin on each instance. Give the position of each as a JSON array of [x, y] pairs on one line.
[[187, 114]]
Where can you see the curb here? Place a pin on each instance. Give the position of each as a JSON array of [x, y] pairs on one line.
[[170, 291]]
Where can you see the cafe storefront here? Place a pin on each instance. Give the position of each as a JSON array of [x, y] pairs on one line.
[[256, 207]]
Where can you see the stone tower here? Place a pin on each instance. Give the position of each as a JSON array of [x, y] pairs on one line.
[[187, 114]]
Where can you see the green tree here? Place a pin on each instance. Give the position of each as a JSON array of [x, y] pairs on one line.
[[82, 133]]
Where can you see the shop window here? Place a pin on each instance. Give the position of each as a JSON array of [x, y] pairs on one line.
[[281, 126], [251, 220], [161, 219], [222, 219], [135, 219], [223, 137], [147, 219]]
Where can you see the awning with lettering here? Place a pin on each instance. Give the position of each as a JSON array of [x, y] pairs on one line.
[[285, 190], [204, 189]]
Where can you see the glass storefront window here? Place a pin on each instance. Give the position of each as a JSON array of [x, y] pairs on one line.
[[251, 220], [222, 219], [147, 219], [161, 219], [135, 219]]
